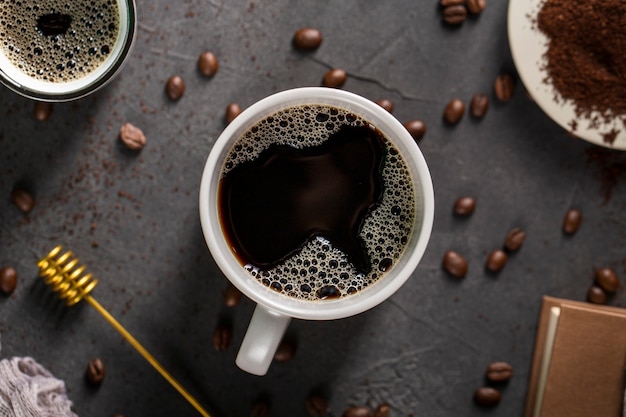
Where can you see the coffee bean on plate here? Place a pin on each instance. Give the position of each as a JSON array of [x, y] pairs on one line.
[[132, 136], [260, 409], [572, 220], [357, 411], [499, 372], [416, 128], [222, 335], [316, 406], [454, 111], [455, 264], [496, 260], [285, 351], [232, 296], [334, 78], [95, 371], [504, 86], [175, 87], [8, 279], [464, 206], [487, 396], [514, 239], [476, 6], [607, 279], [208, 64], [307, 39], [386, 104], [454, 15], [232, 110], [382, 410], [42, 110], [22, 199], [446, 3], [479, 105], [596, 295]]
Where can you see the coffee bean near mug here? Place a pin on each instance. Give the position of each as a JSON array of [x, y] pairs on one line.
[[60, 50], [316, 204]]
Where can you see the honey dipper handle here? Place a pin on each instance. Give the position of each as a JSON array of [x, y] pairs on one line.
[[147, 356]]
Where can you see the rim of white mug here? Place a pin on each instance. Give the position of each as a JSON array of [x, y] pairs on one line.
[[322, 309]]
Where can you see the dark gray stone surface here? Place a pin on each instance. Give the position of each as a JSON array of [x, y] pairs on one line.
[[424, 351]]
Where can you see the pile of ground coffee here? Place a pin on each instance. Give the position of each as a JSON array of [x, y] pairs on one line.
[[586, 57]]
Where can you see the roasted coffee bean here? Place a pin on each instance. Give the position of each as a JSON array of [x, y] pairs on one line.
[[22, 200], [446, 3], [476, 6], [607, 279], [499, 372], [571, 221], [334, 78], [479, 105], [175, 87], [454, 15], [232, 110], [514, 239], [596, 295], [316, 406], [222, 335], [95, 371], [357, 411], [454, 111], [232, 296], [285, 351], [496, 260], [487, 396], [455, 264], [117, 415], [208, 64], [260, 409], [464, 206], [386, 104], [504, 87], [416, 128], [132, 136], [8, 279], [383, 410], [42, 111], [307, 39]]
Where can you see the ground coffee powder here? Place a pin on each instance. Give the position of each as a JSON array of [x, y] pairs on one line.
[[586, 57]]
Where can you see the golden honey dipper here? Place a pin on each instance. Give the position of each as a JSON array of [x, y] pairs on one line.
[[64, 274]]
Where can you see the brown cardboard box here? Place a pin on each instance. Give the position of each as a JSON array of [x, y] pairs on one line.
[[579, 361]]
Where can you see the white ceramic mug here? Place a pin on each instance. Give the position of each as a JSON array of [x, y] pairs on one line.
[[274, 310]]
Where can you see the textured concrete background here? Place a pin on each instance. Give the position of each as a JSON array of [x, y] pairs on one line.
[[423, 351]]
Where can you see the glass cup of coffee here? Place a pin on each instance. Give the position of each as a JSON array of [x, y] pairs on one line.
[[317, 204], [60, 50]]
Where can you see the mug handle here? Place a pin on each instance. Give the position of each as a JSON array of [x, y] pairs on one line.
[[265, 331]]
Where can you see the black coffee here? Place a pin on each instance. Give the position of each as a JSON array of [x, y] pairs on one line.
[[315, 202], [58, 40]]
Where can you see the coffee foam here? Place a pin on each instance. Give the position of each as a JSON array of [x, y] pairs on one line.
[[318, 266], [62, 63]]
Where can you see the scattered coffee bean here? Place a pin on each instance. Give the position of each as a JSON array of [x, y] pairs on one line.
[[260, 409], [334, 78], [514, 239], [487, 396], [132, 136], [222, 335], [464, 206], [8, 279], [285, 351], [454, 111], [416, 128], [596, 295], [175, 87], [232, 296], [208, 64], [496, 260], [454, 15], [316, 406], [504, 87], [42, 111], [22, 200], [95, 371], [446, 3], [455, 264], [476, 6], [232, 110], [383, 410], [607, 279], [386, 104], [499, 372], [571, 221], [307, 39], [479, 105], [357, 411]]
